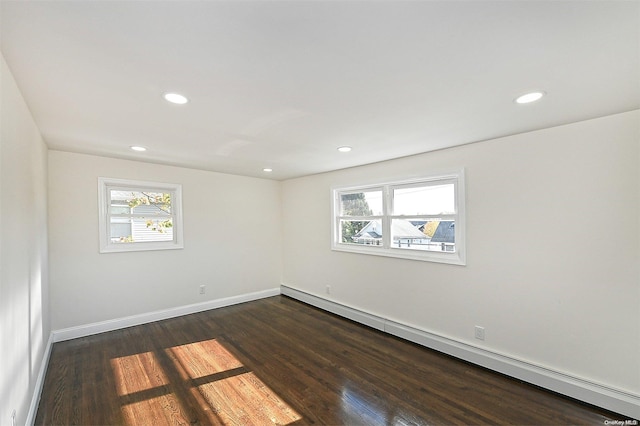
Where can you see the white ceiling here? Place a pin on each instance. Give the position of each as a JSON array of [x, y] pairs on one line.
[[282, 84]]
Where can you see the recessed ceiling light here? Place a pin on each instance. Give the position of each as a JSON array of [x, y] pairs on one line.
[[529, 97], [344, 149], [268, 170], [175, 98], [138, 148]]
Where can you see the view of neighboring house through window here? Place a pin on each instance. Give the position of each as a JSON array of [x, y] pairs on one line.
[[357, 210], [139, 215], [424, 216], [418, 219]]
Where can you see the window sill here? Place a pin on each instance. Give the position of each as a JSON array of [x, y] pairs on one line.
[[452, 258], [150, 246]]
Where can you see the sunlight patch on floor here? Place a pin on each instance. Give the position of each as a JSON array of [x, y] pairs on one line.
[[214, 379], [204, 358], [161, 410], [245, 399], [137, 373]]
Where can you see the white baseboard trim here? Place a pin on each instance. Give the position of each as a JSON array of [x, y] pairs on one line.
[[609, 398], [119, 323], [37, 389]]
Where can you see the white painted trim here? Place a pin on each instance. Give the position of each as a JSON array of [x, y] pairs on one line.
[[37, 389], [119, 323], [106, 184], [458, 257], [587, 391]]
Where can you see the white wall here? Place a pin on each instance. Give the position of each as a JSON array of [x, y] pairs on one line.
[[24, 324], [232, 240], [553, 249]]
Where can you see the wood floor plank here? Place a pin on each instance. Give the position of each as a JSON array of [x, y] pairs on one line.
[[279, 361]]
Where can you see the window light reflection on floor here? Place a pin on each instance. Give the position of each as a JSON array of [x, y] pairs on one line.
[[203, 358], [215, 380], [361, 410], [137, 373]]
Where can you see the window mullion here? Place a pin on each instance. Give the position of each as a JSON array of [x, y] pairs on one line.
[[359, 218], [386, 211], [448, 216]]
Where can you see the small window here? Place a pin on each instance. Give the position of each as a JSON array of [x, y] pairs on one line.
[[420, 219], [138, 215]]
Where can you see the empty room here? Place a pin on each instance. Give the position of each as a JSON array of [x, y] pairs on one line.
[[320, 212]]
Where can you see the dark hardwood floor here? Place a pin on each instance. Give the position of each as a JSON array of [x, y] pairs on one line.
[[280, 361]]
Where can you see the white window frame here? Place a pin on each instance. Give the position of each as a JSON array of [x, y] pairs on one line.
[[457, 257], [105, 185]]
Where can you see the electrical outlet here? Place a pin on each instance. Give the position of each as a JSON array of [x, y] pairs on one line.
[[202, 289], [479, 332], [328, 289]]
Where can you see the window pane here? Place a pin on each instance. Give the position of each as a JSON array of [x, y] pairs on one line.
[[120, 230], [421, 234], [431, 199], [141, 229], [366, 203], [361, 232], [120, 209], [150, 210], [146, 202]]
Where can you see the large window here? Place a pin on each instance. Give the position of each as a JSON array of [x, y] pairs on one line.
[[419, 219], [139, 215]]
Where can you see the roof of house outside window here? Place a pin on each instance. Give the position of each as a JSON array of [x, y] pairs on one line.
[[400, 229], [445, 233]]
